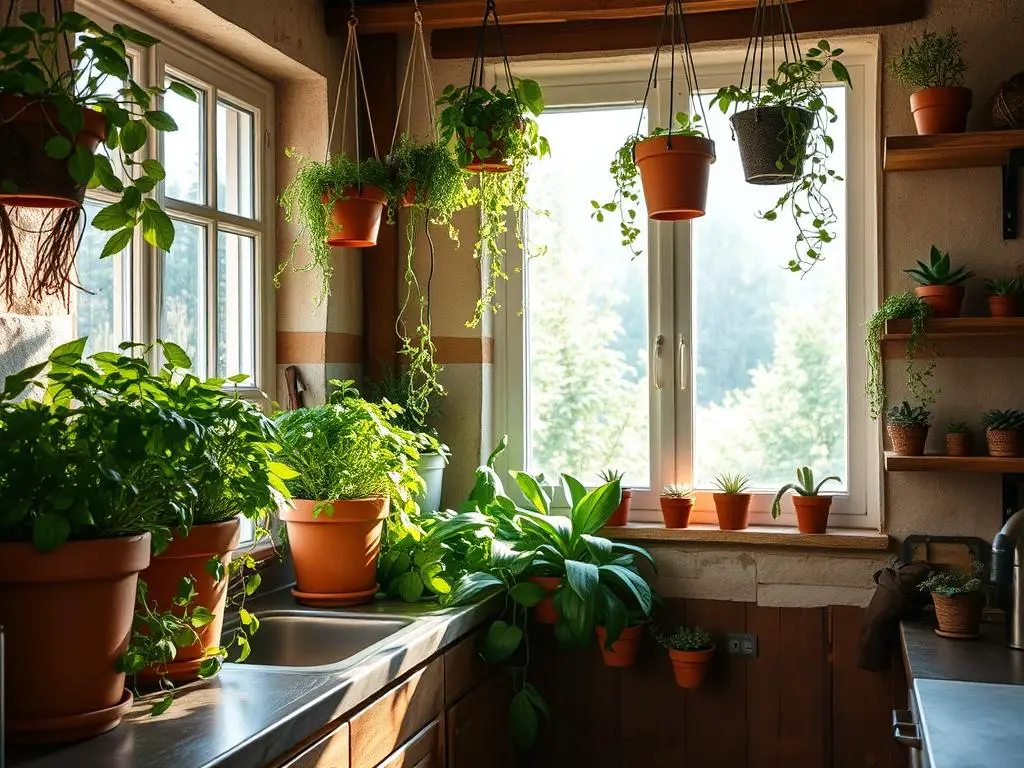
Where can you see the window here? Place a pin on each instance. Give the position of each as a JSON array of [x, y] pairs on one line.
[[206, 293], [703, 355]]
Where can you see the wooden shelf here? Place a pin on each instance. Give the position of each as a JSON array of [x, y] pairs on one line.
[[959, 328], [853, 539], [980, 149], [933, 463]]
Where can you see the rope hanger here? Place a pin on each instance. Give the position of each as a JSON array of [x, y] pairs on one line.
[[764, 29], [351, 81], [417, 54], [476, 73]]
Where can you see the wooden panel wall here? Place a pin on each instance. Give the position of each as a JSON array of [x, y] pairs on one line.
[[802, 703]]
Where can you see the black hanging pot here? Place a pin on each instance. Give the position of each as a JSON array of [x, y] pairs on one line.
[[773, 143]]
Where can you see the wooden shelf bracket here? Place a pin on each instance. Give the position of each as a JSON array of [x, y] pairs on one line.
[[1011, 193]]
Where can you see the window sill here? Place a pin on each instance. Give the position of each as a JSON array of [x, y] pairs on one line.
[[837, 539]]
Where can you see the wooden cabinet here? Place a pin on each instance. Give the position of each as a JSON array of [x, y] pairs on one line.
[[331, 751], [477, 726]]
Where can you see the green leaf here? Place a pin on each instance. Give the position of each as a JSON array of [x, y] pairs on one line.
[[133, 136], [410, 586], [252, 582], [202, 616], [501, 641], [50, 531], [527, 593], [582, 578], [532, 491], [117, 243], [162, 705], [154, 169], [133, 35], [612, 615], [596, 507], [81, 164], [474, 586], [157, 229], [841, 73], [58, 147], [215, 568], [112, 217], [523, 722], [633, 582], [182, 90], [175, 356], [161, 120], [209, 667], [104, 173]]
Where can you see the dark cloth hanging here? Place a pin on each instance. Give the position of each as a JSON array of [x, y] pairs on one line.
[[896, 597]]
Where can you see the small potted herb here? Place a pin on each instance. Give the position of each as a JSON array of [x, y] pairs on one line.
[[907, 427], [810, 505], [901, 306], [958, 439], [621, 514], [933, 67], [939, 285], [676, 504], [1003, 432], [691, 651], [959, 599], [732, 501], [1004, 294]]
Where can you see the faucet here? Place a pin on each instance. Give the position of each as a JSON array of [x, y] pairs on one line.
[[1006, 574]]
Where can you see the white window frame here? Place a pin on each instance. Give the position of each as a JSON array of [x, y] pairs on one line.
[[622, 80]]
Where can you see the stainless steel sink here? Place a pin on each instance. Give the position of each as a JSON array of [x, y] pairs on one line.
[[314, 640]]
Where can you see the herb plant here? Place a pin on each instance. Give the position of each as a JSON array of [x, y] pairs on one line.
[[907, 415], [686, 639], [1008, 420], [932, 61], [804, 487], [951, 583], [1005, 286], [677, 492], [938, 271], [732, 483], [901, 306]]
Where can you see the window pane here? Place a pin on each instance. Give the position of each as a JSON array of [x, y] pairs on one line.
[[236, 316], [586, 315], [184, 149], [770, 346], [183, 308], [235, 128], [101, 301]]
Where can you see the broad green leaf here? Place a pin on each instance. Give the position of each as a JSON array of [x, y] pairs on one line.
[[596, 507], [841, 73], [621, 546], [474, 586], [175, 356], [117, 243], [283, 471], [600, 548], [633, 582], [50, 531], [161, 120], [527, 593], [523, 722], [410, 586], [81, 164], [611, 614], [182, 90], [133, 136], [532, 491], [162, 705], [154, 169], [202, 616], [133, 35], [69, 352], [582, 578], [110, 218], [457, 526], [58, 147], [501, 641], [157, 229], [574, 490]]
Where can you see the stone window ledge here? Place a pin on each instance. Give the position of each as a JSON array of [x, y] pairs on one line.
[[756, 536]]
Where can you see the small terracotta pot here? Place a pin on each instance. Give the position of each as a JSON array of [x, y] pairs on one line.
[[763, 135], [188, 556], [676, 511], [335, 552], [409, 198], [674, 171], [621, 514], [354, 218], [690, 667], [958, 444], [495, 162], [624, 650], [945, 300], [67, 617], [1004, 306], [941, 110], [959, 614], [546, 612], [812, 513], [907, 441], [733, 510], [1003, 442]]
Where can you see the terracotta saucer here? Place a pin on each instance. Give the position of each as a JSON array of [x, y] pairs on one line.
[[957, 635], [335, 600], [68, 727]]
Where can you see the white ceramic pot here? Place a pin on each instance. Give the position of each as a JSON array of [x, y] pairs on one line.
[[431, 468]]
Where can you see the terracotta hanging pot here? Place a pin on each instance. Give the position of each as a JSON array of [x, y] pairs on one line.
[[1004, 306], [676, 511], [623, 652], [766, 135], [674, 171], [354, 217], [945, 300], [188, 556], [494, 160], [907, 441], [941, 110], [958, 444], [959, 615], [335, 552], [546, 612], [733, 510], [41, 181], [812, 513], [621, 514], [1005, 443], [690, 667], [67, 617]]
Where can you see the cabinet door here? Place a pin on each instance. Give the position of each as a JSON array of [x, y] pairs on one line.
[[330, 752], [424, 750], [477, 727]]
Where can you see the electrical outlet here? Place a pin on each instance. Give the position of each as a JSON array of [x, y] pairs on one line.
[[742, 645]]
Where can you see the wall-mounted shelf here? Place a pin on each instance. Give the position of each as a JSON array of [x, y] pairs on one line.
[[934, 463], [959, 328]]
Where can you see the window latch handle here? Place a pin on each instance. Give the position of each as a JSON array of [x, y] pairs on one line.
[[683, 367], [659, 342]]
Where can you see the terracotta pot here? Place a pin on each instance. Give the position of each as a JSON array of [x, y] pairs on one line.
[[187, 556], [621, 514], [546, 612], [959, 614], [354, 218], [42, 181], [958, 444], [733, 510], [335, 552], [674, 171], [907, 441], [676, 511], [763, 135], [945, 300], [812, 513], [67, 617], [624, 650], [1003, 442], [690, 667], [409, 198], [941, 110], [1004, 306]]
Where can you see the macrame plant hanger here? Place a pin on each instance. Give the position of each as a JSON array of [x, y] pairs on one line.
[[765, 33]]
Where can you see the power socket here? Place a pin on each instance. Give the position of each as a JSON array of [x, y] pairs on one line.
[[742, 645]]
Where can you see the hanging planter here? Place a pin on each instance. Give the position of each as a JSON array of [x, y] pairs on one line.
[[674, 163], [354, 214], [763, 135]]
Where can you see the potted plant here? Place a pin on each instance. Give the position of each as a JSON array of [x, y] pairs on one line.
[[907, 427], [623, 652], [1003, 432], [621, 514], [783, 139], [901, 306], [676, 504], [939, 285], [958, 439], [810, 505], [959, 599], [732, 501], [352, 462], [933, 67], [673, 166], [1004, 296], [52, 120], [691, 651]]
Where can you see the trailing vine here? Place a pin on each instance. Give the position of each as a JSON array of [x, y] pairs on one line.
[[902, 306]]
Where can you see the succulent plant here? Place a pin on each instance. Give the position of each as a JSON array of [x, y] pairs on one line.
[[907, 415], [1003, 421], [804, 487], [938, 271], [1005, 286], [731, 483], [612, 476], [675, 491], [957, 427]]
